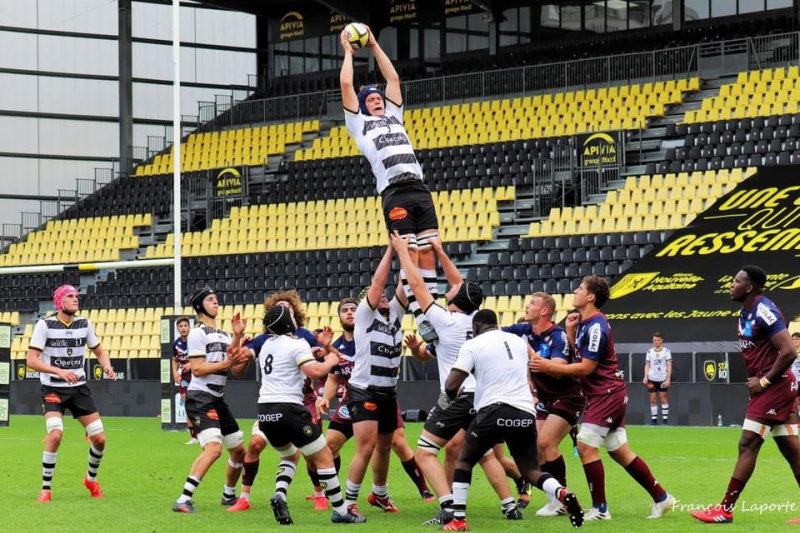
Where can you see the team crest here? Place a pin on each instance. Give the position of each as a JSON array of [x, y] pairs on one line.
[[307, 431], [710, 370], [631, 283]]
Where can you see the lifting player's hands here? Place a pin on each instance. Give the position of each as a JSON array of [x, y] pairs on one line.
[[371, 42], [238, 324], [399, 242], [344, 38]]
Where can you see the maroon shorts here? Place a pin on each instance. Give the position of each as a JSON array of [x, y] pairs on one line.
[[773, 403], [607, 410], [312, 409], [569, 407]]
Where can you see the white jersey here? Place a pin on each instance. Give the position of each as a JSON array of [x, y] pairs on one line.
[[658, 363], [453, 329], [211, 343], [796, 368], [378, 346], [385, 144], [63, 346], [280, 360], [499, 361]]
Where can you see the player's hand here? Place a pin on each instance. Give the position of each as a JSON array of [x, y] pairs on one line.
[[68, 376], [238, 324], [345, 40], [399, 242], [644, 380], [539, 364], [572, 321], [109, 372], [319, 353], [185, 368], [322, 406], [435, 242], [413, 342], [325, 337], [666, 384], [444, 401], [371, 42], [754, 385]]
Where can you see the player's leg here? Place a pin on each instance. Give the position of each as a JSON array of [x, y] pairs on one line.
[[317, 452], [651, 390], [54, 423], [338, 434], [590, 438], [512, 472], [785, 436], [475, 446], [426, 454], [664, 406], [250, 464], [406, 455], [232, 440], [387, 425], [366, 437], [551, 432], [616, 442], [496, 476], [84, 409]]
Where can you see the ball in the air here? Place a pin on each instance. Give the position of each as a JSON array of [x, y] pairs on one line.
[[357, 35]]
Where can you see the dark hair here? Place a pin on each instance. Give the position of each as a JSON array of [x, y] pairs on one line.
[[796, 335], [658, 334], [183, 319], [599, 287], [756, 275], [483, 319], [344, 302]]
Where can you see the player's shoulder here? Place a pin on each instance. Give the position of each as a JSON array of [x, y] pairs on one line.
[[767, 311]]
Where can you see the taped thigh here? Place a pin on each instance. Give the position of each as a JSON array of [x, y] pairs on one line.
[[592, 435], [232, 440], [756, 427], [615, 439], [208, 436]]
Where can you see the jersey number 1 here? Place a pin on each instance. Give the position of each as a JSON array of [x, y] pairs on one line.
[[508, 350]]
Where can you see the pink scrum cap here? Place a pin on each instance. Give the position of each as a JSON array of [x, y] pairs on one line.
[[59, 293]]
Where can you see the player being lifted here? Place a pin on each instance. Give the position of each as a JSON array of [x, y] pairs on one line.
[[596, 365], [505, 412], [768, 354], [282, 417], [374, 119], [561, 401], [340, 428], [212, 353], [446, 421], [56, 351]]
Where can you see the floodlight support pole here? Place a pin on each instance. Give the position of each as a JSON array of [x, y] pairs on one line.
[[176, 154]]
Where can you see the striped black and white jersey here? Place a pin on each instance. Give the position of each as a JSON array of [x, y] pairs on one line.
[[385, 143], [280, 359], [378, 346], [453, 330], [499, 361], [211, 343], [63, 346]]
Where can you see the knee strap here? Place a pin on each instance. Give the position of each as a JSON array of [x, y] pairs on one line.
[[94, 428], [54, 423]]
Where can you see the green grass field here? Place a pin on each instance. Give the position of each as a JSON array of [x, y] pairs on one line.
[[144, 468]]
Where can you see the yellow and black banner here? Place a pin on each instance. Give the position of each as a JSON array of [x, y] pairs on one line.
[[599, 149], [227, 182], [682, 289]]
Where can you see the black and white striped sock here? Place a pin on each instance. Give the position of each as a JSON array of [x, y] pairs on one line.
[[333, 490], [189, 486], [48, 467], [284, 476], [95, 456]]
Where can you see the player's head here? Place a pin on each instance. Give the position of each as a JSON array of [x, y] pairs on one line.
[[65, 299], [205, 302], [183, 326], [540, 305], [467, 297], [483, 321], [748, 282], [288, 298], [593, 290], [370, 101], [796, 340], [347, 313], [383, 304], [658, 339], [279, 320]]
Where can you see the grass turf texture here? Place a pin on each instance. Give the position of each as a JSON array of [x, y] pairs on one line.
[[144, 468]]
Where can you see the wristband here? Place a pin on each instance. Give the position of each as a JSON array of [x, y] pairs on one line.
[[764, 382]]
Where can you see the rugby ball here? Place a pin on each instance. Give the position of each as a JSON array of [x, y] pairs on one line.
[[357, 35]]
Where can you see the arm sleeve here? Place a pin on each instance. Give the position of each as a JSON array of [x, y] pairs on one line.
[[363, 312], [595, 341], [517, 329], [396, 308], [308, 337], [394, 110], [669, 354], [648, 358], [302, 353], [439, 316], [770, 320], [92, 341], [559, 348], [354, 123], [196, 343], [39, 336]]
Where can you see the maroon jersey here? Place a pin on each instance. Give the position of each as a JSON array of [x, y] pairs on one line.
[[345, 366], [309, 391], [757, 324], [595, 341]]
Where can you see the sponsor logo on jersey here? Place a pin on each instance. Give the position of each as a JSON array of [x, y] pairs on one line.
[[369, 406], [766, 314], [52, 398], [212, 414], [595, 334], [398, 213], [390, 139]]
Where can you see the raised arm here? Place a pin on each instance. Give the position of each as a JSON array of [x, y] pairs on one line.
[[393, 92], [349, 98], [450, 270], [380, 278]]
